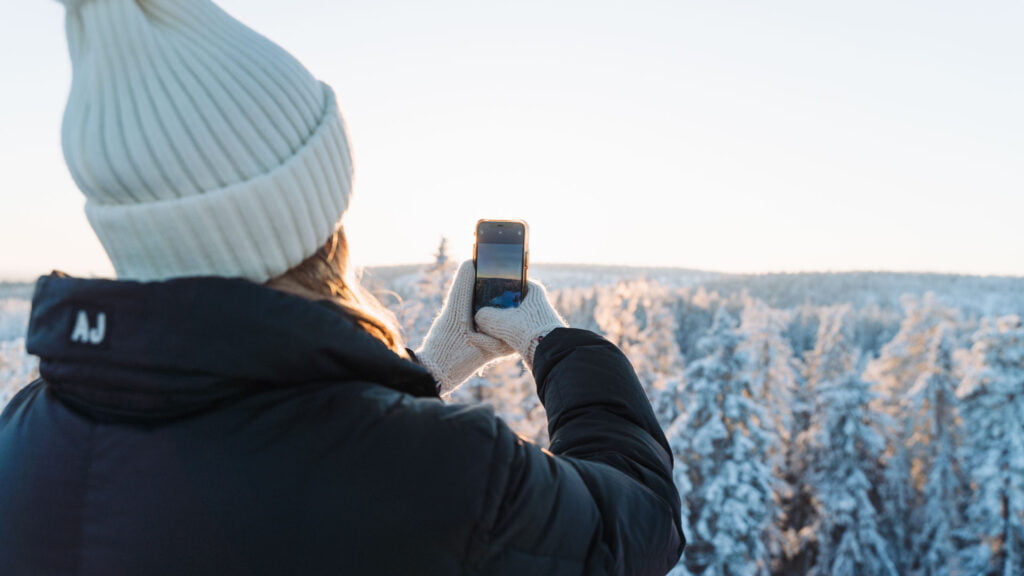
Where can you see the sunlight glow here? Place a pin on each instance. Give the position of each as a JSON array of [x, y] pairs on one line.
[[731, 137]]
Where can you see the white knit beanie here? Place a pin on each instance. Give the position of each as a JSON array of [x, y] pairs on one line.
[[203, 148]]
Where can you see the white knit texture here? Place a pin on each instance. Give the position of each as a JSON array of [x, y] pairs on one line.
[[453, 350], [521, 327], [202, 147]]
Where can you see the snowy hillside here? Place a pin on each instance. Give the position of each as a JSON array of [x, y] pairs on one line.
[[865, 423]]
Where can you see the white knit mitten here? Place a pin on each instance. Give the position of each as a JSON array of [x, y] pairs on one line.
[[522, 327], [453, 350]]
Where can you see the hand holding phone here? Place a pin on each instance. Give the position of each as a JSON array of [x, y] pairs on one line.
[[453, 349], [501, 257]]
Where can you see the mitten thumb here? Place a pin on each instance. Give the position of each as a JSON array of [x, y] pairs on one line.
[[521, 327]]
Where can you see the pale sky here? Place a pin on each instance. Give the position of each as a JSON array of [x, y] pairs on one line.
[[738, 136]]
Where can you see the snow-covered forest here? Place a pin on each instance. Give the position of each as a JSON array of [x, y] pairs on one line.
[[16, 368], [839, 424]]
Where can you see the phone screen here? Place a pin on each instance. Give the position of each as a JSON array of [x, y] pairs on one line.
[[500, 264]]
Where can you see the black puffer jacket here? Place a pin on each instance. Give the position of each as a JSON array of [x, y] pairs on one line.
[[215, 426]]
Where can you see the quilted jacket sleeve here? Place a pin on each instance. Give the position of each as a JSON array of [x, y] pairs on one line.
[[601, 501]]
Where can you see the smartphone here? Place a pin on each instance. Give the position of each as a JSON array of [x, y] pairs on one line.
[[501, 255]]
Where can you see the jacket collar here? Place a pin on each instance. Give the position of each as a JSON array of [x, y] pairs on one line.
[[173, 347]]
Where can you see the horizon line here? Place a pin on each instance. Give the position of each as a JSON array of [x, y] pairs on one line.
[[27, 278]]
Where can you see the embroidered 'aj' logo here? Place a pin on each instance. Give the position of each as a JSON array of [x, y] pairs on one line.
[[86, 332]]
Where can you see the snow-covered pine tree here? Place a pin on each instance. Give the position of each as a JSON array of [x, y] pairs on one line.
[[844, 446], [992, 408], [639, 318], [615, 313], [934, 457], [721, 442], [695, 312], [772, 369], [420, 308], [902, 362], [799, 516], [578, 304], [773, 373], [656, 356], [800, 521], [803, 328]]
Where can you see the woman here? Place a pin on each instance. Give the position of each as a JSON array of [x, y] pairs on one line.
[[234, 403]]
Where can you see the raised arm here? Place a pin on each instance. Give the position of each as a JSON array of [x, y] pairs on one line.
[[602, 501]]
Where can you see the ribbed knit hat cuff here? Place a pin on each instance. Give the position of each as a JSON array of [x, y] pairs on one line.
[[256, 229]]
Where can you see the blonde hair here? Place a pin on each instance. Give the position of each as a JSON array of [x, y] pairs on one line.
[[326, 275]]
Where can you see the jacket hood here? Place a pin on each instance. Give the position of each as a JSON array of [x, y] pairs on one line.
[[164, 349]]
